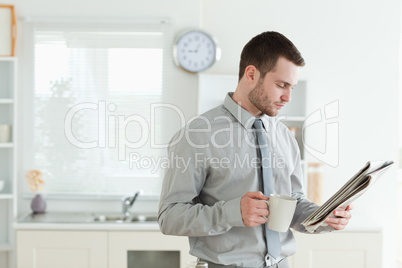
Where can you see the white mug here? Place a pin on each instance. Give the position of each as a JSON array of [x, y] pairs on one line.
[[281, 211], [5, 133]]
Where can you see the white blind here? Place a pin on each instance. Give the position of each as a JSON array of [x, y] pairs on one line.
[[97, 107]]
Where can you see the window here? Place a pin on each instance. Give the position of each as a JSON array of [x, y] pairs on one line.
[[97, 112]]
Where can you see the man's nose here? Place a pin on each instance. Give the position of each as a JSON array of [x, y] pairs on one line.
[[287, 96]]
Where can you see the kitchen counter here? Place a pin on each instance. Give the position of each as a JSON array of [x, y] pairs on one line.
[[85, 221], [79, 221], [106, 243]]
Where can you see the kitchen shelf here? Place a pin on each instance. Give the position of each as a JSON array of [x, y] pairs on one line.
[[6, 101], [8, 160], [7, 58], [293, 118], [6, 247], [6, 145]]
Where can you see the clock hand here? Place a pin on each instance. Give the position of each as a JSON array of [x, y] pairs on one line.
[[198, 47], [195, 50]]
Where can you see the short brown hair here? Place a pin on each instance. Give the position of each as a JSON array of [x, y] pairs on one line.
[[264, 50]]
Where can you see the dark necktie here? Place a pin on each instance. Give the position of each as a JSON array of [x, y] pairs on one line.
[[272, 237]]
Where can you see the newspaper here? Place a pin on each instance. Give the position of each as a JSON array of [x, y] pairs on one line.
[[349, 192]]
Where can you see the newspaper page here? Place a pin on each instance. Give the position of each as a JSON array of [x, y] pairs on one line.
[[349, 192]]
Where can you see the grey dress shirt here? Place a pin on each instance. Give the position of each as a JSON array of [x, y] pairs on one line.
[[214, 162]]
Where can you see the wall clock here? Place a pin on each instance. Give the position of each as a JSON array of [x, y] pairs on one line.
[[195, 51]]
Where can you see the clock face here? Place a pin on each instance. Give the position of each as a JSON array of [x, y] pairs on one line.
[[195, 51]]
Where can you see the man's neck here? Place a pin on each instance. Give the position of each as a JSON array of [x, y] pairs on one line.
[[242, 100]]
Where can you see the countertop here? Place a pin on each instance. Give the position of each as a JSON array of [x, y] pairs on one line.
[[78, 221]]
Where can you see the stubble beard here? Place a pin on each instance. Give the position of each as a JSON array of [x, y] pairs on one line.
[[261, 101]]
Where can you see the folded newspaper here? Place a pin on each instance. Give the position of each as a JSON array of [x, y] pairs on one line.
[[349, 192]]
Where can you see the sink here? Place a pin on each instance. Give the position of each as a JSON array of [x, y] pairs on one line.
[[78, 217], [58, 217], [118, 218]]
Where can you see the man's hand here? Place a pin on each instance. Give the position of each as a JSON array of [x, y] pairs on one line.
[[253, 208], [341, 219]]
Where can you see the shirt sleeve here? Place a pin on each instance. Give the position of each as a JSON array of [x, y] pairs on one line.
[[303, 209], [181, 211]]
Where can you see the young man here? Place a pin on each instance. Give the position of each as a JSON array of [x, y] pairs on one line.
[[212, 191]]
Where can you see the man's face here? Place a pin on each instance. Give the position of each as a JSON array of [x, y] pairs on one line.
[[274, 90]]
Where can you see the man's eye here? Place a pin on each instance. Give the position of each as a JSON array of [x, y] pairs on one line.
[[281, 86]]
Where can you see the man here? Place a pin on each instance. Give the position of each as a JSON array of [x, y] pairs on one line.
[[212, 191]]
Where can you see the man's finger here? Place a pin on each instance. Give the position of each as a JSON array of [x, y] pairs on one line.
[[350, 207], [261, 204], [342, 213], [337, 226], [341, 221], [257, 195]]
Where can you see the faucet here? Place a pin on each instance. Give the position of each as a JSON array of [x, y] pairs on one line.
[[128, 202]]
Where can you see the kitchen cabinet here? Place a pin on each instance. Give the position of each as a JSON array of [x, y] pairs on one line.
[[61, 249], [99, 249], [339, 249], [121, 248], [8, 116], [173, 249]]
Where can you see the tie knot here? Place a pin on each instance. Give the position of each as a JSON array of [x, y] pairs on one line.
[[258, 124]]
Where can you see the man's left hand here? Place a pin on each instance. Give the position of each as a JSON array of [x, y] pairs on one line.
[[341, 219]]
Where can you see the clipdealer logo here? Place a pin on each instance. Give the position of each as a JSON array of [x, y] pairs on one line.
[[330, 154], [112, 132], [246, 161], [112, 129]]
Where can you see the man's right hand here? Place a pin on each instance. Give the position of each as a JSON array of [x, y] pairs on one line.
[[254, 209]]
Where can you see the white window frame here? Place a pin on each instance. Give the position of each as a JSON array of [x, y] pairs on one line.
[[28, 95]]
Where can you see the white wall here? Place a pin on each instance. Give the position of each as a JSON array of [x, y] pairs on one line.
[[352, 53]]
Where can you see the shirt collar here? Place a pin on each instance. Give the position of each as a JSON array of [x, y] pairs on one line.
[[243, 116]]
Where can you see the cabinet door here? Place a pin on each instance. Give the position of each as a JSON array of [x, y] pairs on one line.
[[153, 244], [62, 249], [342, 249]]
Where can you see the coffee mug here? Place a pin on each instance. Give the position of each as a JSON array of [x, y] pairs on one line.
[[281, 211], [5, 133]]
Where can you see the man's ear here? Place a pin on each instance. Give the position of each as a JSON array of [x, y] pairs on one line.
[[252, 74]]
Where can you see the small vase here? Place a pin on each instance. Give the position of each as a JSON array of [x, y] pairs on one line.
[[38, 204]]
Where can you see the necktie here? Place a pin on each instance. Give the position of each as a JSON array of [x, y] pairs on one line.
[[272, 237]]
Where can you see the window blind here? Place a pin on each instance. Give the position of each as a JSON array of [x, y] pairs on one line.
[[98, 107]]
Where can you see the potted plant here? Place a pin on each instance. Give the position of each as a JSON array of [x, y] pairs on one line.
[[35, 182]]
